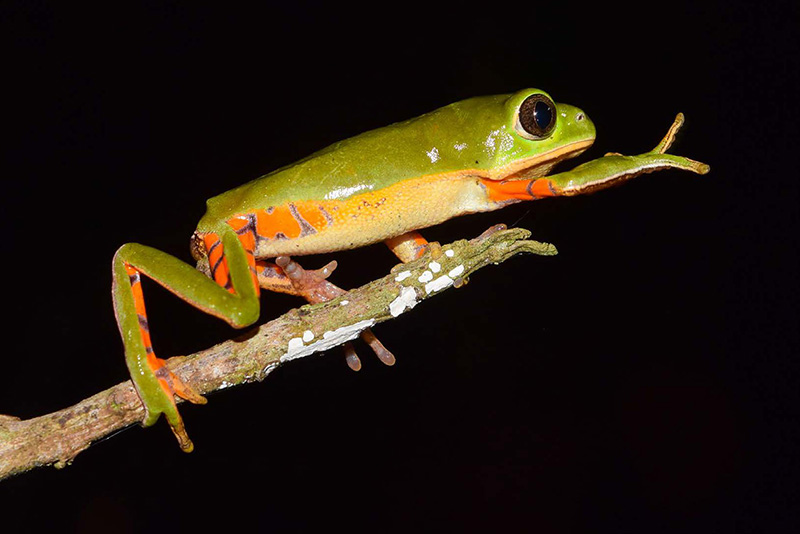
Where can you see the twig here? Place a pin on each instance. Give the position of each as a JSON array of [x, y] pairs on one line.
[[57, 438]]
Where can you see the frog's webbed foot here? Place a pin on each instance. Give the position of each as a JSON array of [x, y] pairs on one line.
[[311, 285], [315, 288], [172, 386]]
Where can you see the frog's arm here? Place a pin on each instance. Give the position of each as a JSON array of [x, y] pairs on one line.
[[232, 296], [597, 174], [409, 246]]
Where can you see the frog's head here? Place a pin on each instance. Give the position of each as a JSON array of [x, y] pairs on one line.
[[537, 133]]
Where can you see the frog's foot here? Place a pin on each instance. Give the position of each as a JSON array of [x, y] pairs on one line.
[[311, 285], [315, 288], [171, 386], [489, 232]]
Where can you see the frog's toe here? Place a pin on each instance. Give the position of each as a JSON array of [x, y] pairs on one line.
[[310, 284], [175, 386], [383, 354], [351, 358], [377, 347], [490, 232], [176, 424]]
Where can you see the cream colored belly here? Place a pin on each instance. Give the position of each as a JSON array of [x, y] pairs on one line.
[[378, 215]]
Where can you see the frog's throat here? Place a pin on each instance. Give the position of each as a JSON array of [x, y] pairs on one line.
[[540, 164]]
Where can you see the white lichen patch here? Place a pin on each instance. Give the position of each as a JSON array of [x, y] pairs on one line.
[[402, 276], [440, 283], [433, 154], [295, 343], [297, 349], [434, 266], [406, 300], [456, 271], [427, 276], [449, 253], [308, 335], [344, 303]]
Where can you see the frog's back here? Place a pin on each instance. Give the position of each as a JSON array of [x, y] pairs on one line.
[[371, 161]]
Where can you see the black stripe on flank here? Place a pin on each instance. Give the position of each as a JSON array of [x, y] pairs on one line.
[[305, 226], [250, 226], [328, 217]]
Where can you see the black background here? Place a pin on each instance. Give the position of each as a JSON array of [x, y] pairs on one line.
[[644, 380]]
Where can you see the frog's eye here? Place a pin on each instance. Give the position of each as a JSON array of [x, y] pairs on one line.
[[536, 117]]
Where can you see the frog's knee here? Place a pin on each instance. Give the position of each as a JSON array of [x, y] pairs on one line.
[[246, 314]]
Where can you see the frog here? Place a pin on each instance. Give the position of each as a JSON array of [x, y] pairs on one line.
[[385, 185]]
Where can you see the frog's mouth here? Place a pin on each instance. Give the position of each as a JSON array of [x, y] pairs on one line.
[[540, 164]]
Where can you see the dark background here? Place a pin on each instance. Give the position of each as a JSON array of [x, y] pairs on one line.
[[644, 380]]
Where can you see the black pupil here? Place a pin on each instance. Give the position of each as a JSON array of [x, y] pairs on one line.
[[542, 114]]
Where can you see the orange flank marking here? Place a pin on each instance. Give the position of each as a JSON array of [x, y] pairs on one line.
[[279, 220], [287, 221], [238, 222], [312, 214]]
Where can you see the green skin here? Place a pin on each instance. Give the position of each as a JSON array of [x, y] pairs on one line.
[[483, 128], [479, 134]]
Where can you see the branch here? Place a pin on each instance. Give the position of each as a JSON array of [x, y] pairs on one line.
[[57, 438]]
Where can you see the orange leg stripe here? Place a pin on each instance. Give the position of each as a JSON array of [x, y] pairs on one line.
[[216, 256], [216, 261], [520, 189], [138, 301]]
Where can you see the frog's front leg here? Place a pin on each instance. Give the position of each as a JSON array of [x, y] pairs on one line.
[[287, 276], [411, 245], [597, 174], [232, 296]]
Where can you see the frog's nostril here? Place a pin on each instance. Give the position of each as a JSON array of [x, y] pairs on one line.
[[579, 117]]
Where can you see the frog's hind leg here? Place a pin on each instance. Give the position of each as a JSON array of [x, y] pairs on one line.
[[156, 375], [287, 276], [232, 297], [411, 245]]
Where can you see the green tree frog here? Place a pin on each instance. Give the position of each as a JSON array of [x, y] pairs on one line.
[[476, 155]]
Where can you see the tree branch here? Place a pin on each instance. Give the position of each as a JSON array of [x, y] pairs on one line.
[[57, 438]]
